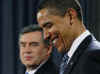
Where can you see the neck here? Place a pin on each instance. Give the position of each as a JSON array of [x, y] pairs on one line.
[[29, 68], [77, 31]]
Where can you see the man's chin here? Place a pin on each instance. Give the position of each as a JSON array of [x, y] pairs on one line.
[[61, 50], [28, 63], [31, 66]]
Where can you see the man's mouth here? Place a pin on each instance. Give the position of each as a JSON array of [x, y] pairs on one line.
[[28, 57], [55, 40]]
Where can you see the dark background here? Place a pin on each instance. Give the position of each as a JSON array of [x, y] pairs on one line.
[[15, 14]]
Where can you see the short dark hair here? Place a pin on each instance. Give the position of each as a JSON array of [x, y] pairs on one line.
[[30, 28], [33, 28], [59, 7]]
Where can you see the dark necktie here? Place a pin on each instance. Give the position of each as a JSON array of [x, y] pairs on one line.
[[63, 63]]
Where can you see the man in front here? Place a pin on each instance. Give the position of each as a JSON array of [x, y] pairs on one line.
[[35, 51], [62, 23]]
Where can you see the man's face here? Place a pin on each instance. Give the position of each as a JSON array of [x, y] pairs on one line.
[[32, 49], [56, 28]]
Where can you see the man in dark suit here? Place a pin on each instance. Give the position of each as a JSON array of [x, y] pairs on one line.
[[63, 26], [35, 52]]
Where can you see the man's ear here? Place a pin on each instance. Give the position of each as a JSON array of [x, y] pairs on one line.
[[72, 13]]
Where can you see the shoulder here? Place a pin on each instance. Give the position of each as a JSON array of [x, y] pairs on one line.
[[93, 49], [51, 67], [90, 60], [94, 44], [48, 68]]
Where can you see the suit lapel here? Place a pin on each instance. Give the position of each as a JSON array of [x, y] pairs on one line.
[[77, 54], [47, 68], [44, 67]]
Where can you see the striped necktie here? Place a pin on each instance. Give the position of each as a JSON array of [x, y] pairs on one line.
[[63, 64]]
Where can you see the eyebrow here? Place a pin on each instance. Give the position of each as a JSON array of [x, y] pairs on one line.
[[22, 42], [29, 42], [34, 42]]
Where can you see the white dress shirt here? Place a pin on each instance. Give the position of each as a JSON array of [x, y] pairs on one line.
[[76, 43]]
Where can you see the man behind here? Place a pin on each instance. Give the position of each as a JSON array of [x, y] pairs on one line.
[[35, 51], [62, 23]]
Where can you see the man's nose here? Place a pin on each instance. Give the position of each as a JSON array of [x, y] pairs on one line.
[[28, 49]]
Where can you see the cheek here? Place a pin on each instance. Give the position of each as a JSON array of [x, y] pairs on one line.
[[43, 53], [21, 53], [21, 56], [39, 56], [59, 27], [37, 51]]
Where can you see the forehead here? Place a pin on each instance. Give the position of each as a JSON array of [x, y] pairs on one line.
[[45, 16], [42, 12], [42, 16], [31, 36]]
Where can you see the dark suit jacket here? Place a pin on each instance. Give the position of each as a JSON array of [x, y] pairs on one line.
[[86, 59], [56, 57], [48, 68]]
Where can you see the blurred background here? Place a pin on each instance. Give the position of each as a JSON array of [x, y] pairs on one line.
[[15, 14]]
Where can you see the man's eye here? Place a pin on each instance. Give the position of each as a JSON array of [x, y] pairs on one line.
[[49, 25], [34, 44], [22, 45]]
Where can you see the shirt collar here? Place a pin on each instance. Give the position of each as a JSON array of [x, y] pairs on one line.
[[77, 42], [32, 71]]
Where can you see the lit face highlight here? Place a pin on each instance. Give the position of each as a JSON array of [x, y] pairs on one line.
[[56, 28]]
